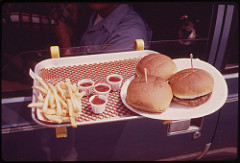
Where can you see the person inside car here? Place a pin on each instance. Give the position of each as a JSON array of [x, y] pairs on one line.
[[113, 24]]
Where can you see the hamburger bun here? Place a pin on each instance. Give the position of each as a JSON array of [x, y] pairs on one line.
[[157, 65], [191, 87], [153, 96]]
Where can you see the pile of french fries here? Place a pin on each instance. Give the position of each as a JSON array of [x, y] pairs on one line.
[[59, 103]]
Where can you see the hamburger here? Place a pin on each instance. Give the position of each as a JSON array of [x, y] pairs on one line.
[[155, 95], [157, 65], [191, 87]]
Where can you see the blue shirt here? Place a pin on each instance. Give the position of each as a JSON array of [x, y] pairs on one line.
[[121, 28]]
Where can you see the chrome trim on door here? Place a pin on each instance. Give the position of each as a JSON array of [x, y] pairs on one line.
[[217, 33], [16, 99], [230, 76], [233, 99], [224, 37], [21, 129]]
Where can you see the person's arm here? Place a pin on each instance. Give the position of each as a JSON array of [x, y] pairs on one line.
[[63, 33], [64, 30]]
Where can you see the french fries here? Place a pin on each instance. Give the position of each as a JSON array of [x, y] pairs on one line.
[[40, 81], [59, 103], [41, 89], [36, 105]]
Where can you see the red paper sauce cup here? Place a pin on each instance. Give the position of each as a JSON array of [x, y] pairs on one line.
[[115, 81], [98, 103], [86, 85], [102, 89]]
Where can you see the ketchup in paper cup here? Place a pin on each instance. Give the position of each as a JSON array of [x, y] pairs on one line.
[[102, 89], [86, 85], [98, 103], [114, 81]]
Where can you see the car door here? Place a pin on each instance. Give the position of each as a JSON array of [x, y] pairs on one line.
[[136, 138], [148, 139], [187, 139], [224, 143]]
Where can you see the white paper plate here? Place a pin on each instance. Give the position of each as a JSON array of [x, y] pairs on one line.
[[180, 112]]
